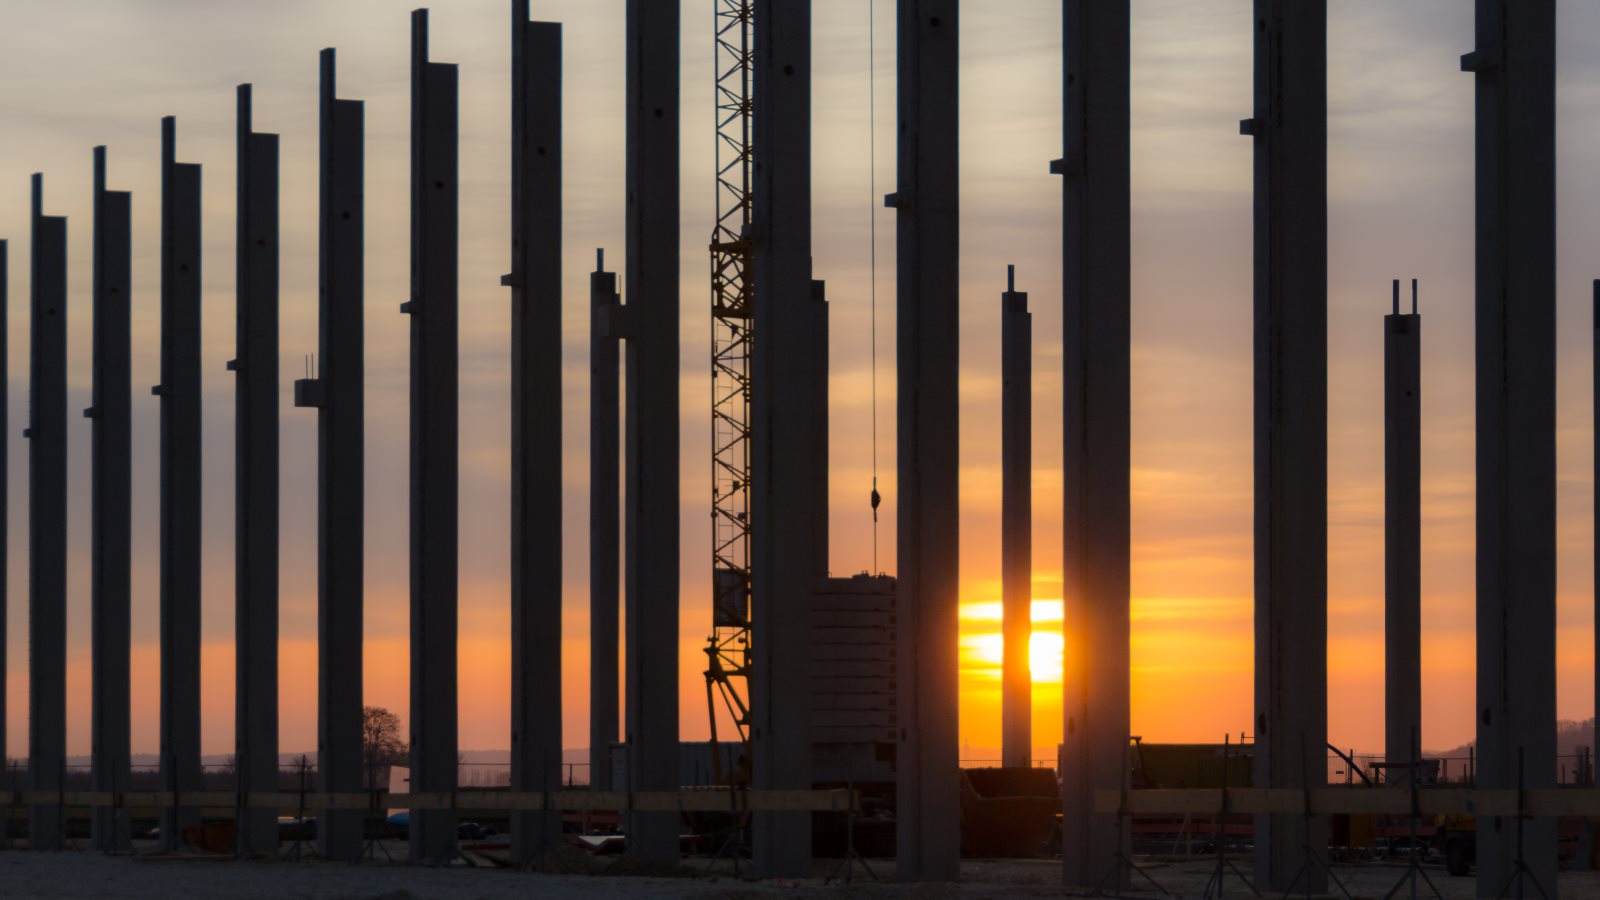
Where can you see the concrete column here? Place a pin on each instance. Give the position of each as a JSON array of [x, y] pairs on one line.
[[605, 535], [1291, 434], [1595, 367], [256, 481], [536, 482], [1095, 443], [112, 511], [652, 420], [5, 426], [927, 202], [47, 523], [337, 393], [819, 434], [1514, 69], [1016, 525], [784, 505], [179, 393], [434, 441], [1402, 531]]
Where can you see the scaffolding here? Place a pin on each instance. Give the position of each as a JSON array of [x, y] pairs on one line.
[[732, 292]]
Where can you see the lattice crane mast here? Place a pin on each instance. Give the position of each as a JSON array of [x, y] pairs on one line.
[[732, 293]]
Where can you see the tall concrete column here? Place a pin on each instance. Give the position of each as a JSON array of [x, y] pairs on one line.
[[820, 321], [1016, 525], [435, 416], [337, 393], [5, 530], [605, 535], [1402, 530], [255, 366], [179, 393], [1595, 367], [784, 505], [652, 420], [1095, 441], [927, 203], [535, 283], [1514, 69], [1291, 429], [112, 511], [47, 522]]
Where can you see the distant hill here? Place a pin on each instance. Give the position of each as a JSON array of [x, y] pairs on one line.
[[1570, 737]]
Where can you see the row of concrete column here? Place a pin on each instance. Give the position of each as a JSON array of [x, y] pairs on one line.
[[336, 392], [1515, 77]]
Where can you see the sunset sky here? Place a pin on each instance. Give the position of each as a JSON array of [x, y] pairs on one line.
[[1400, 123]]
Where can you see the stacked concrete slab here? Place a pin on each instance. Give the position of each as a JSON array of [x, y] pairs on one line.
[[535, 282], [853, 703], [650, 326], [112, 507], [927, 206], [785, 503], [435, 414], [47, 522], [337, 393], [1291, 430], [1514, 69], [179, 393]]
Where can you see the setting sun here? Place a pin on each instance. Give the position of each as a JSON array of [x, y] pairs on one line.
[[983, 646]]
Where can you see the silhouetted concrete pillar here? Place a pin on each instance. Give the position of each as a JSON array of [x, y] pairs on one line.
[[819, 440], [112, 511], [256, 481], [784, 505], [1402, 530], [651, 329], [535, 283], [337, 393], [179, 391], [927, 202], [435, 419], [1514, 69], [5, 530], [1095, 440], [605, 536], [1595, 367], [1291, 439], [47, 523], [1016, 525]]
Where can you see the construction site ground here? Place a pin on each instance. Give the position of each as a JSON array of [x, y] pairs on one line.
[[91, 875]]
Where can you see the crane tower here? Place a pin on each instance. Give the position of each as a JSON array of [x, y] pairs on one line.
[[732, 289]]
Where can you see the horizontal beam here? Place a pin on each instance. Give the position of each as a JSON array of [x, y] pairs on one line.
[[1321, 801], [223, 803]]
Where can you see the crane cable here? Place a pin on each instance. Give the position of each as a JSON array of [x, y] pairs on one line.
[[872, 218]]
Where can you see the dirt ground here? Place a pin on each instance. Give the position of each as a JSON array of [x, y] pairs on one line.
[[83, 874]]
